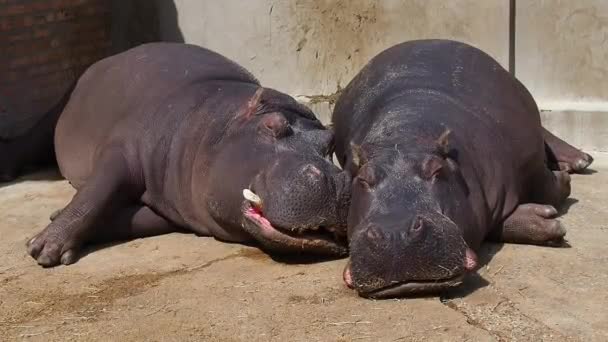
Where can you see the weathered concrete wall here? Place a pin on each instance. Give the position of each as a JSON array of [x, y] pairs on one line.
[[584, 129], [561, 55], [561, 52], [311, 48]]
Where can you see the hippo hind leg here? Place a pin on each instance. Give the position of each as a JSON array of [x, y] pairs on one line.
[[532, 224], [133, 222], [107, 190], [567, 157]]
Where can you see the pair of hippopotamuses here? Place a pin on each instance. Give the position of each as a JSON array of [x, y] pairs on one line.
[[440, 146]]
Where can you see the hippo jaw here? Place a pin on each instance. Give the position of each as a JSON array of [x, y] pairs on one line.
[[413, 287], [320, 241]]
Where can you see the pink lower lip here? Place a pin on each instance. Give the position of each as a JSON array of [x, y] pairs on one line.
[[347, 276], [470, 260]]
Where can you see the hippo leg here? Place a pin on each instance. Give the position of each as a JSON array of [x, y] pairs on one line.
[[568, 157], [550, 187], [106, 189], [531, 224], [133, 222]]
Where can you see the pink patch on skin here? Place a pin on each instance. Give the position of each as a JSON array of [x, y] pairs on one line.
[[470, 260], [347, 276], [312, 172]]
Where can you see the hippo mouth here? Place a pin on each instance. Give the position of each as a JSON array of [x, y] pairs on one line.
[[417, 287], [410, 288], [319, 241]]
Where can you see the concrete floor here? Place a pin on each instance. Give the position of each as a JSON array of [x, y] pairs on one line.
[[180, 287]]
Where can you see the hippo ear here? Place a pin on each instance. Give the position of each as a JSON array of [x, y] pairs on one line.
[[443, 142], [275, 125], [359, 157], [432, 167]]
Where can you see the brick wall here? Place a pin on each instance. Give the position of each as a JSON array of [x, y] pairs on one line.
[[44, 46]]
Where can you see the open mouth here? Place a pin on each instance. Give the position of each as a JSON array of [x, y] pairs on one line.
[[314, 241]]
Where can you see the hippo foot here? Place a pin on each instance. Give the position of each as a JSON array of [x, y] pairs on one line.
[[55, 245], [574, 163], [533, 224]]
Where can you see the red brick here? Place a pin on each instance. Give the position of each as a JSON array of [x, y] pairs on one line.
[[45, 45]]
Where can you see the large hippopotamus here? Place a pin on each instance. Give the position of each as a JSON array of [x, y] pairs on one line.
[[446, 149], [167, 137]]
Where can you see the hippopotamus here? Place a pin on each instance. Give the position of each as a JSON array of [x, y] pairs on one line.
[[167, 136], [446, 149]]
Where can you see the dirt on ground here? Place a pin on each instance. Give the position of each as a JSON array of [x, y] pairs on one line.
[[180, 287]]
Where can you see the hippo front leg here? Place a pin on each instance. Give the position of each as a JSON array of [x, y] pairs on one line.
[[533, 224], [107, 188]]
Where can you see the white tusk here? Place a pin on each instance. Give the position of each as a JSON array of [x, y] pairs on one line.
[[251, 197]]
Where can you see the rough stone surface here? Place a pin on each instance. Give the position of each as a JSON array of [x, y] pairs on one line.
[[180, 287], [561, 52]]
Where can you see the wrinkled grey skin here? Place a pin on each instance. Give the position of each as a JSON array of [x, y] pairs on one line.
[[446, 149], [165, 137]]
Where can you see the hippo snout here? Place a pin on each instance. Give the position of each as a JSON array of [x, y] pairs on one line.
[[428, 256]]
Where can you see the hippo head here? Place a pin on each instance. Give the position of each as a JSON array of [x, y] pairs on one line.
[[402, 237], [290, 197]]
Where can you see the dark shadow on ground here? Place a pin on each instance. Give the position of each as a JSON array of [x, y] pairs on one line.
[[474, 281], [587, 171], [49, 173], [565, 207], [301, 259], [281, 258]]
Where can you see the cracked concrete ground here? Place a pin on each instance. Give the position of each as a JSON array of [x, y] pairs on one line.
[[180, 287]]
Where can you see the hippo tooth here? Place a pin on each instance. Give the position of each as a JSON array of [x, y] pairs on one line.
[[252, 197]]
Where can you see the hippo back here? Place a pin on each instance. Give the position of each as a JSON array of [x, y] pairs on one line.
[[129, 94]]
